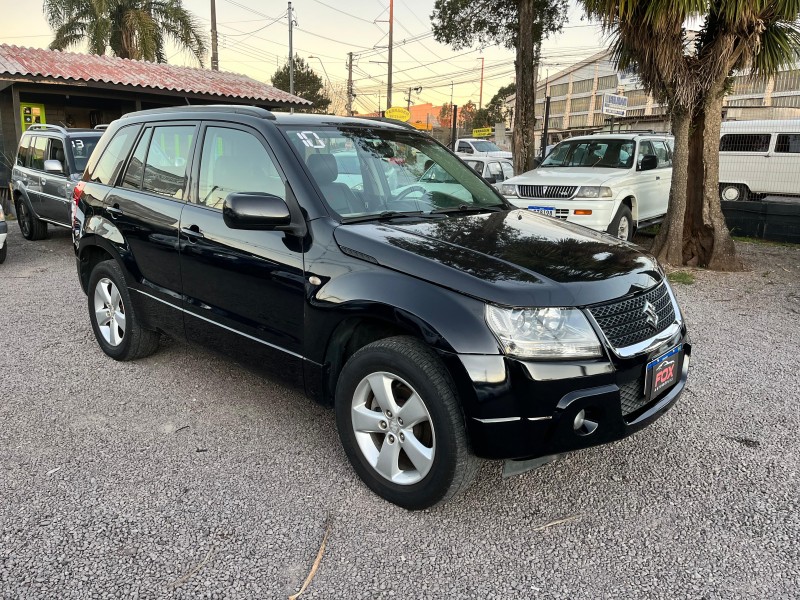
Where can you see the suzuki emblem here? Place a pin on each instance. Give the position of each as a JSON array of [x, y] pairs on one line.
[[651, 314], [544, 190]]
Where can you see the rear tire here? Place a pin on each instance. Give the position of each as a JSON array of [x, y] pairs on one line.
[[113, 318], [407, 440], [733, 192], [3, 252], [31, 227], [622, 225]]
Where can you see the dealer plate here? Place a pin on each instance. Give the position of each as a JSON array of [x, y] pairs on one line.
[[550, 211], [663, 372]]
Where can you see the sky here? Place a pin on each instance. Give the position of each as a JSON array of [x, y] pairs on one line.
[[254, 40]]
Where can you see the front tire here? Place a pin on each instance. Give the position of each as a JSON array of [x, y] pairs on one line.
[[401, 424], [29, 225], [3, 252], [114, 321], [622, 225]]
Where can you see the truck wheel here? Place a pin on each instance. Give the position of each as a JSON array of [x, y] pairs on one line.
[[114, 321], [622, 225], [733, 191], [401, 424], [31, 227]]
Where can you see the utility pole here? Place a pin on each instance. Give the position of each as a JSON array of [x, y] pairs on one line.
[[544, 125], [451, 94], [391, 41], [349, 84], [417, 89], [214, 54], [480, 96], [291, 52]]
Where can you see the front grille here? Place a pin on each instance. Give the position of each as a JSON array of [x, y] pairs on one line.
[[546, 191], [632, 396], [626, 323]]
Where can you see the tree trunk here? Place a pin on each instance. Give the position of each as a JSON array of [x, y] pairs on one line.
[[525, 103], [706, 239], [668, 245]]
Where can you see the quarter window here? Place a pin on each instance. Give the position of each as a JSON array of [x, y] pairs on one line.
[[235, 161], [38, 152], [115, 151], [167, 155], [788, 143], [744, 142], [135, 172], [662, 152]]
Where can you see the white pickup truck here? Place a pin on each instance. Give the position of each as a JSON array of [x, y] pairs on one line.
[[608, 182], [476, 147]]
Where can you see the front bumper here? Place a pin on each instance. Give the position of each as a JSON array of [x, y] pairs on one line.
[[521, 410], [601, 217]]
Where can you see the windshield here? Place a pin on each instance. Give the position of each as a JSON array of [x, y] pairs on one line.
[[365, 172], [484, 146], [604, 154], [82, 149]]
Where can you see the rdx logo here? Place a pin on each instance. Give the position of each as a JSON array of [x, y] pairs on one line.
[[664, 374]]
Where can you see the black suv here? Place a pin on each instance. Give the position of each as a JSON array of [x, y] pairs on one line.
[[442, 324], [50, 161]]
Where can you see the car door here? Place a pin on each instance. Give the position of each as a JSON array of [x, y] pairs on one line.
[[495, 173], [663, 177], [647, 184], [33, 176], [54, 202], [244, 290], [146, 208]]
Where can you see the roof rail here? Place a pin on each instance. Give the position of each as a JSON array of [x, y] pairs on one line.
[[45, 127], [101, 126], [240, 109]]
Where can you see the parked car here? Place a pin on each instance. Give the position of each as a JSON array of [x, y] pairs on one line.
[[493, 170], [442, 327], [3, 235], [478, 147], [49, 161], [759, 158], [608, 182]]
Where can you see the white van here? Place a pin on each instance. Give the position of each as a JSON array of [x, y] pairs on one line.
[[759, 158]]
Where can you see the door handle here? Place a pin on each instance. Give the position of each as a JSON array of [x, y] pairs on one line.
[[115, 211], [193, 231], [43, 181], [658, 177]]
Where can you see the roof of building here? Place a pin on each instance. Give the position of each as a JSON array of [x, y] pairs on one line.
[[39, 63]]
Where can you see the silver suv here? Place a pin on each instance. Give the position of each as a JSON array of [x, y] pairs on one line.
[[50, 161]]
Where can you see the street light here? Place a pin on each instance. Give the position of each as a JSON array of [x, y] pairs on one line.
[[330, 87]]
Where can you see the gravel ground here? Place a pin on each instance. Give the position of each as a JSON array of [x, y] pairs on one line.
[[184, 476]]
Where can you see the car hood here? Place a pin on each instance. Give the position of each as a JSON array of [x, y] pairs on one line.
[[568, 176], [511, 258]]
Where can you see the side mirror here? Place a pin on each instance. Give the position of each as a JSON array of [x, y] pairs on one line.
[[54, 167], [255, 210], [649, 162]]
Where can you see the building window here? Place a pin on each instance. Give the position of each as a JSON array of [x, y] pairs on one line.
[[559, 90], [747, 102], [582, 86], [747, 85], [539, 109], [600, 119], [636, 97], [634, 112], [787, 81], [744, 142], [578, 120], [609, 82], [555, 123], [786, 101], [558, 107], [580, 104]]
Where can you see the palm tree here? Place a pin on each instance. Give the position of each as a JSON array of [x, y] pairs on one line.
[[136, 29], [755, 38]]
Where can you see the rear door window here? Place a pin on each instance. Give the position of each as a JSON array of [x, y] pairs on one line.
[[135, 171], [167, 156], [508, 170], [744, 142], [38, 152], [496, 171], [662, 152]]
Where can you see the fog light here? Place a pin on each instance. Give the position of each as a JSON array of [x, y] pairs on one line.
[[580, 418]]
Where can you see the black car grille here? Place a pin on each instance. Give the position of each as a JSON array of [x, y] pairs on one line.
[[546, 191], [632, 396], [626, 323]]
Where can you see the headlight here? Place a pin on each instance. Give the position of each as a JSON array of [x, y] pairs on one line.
[[548, 333], [508, 189], [594, 191]]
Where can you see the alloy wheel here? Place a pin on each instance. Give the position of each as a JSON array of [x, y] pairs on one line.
[[109, 312], [393, 428], [24, 219], [623, 231]]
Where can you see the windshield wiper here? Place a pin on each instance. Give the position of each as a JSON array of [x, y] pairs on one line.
[[382, 216], [466, 208]]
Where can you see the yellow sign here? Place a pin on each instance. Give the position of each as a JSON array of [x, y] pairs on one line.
[[423, 126], [398, 113], [482, 132]]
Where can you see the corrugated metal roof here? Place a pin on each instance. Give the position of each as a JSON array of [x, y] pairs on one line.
[[70, 66]]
